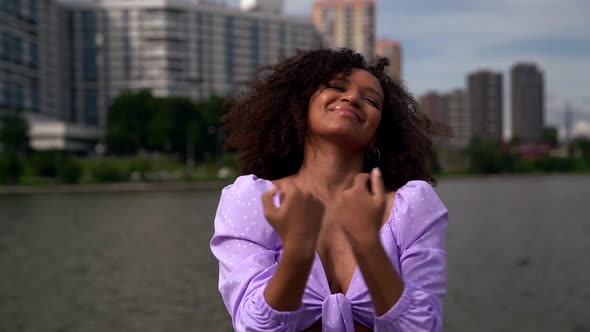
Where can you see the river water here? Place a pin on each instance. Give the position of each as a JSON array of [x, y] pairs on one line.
[[518, 259]]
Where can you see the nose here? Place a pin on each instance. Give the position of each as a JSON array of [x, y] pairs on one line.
[[352, 96]]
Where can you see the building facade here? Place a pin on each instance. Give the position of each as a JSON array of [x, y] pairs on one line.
[[63, 62], [392, 50], [347, 23], [456, 109], [266, 6], [485, 100], [84, 69], [528, 102], [431, 103], [177, 47], [25, 35]]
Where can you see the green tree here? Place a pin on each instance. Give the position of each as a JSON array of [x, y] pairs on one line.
[[580, 146], [486, 157], [212, 110], [177, 128], [11, 167], [549, 136], [14, 133], [127, 122]]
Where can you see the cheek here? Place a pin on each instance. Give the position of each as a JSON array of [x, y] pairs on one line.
[[375, 119], [317, 103]]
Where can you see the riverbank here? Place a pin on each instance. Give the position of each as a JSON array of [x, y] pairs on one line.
[[213, 184], [113, 187]]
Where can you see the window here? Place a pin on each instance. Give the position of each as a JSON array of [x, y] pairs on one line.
[[35, 95], [282, 40], [33, 10], [90, 113], [255, 47], [88, 45], [126, 45], [34, 49], [229, 49], [4, 46]]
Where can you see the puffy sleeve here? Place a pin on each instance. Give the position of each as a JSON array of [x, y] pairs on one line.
[[247, 248], [419, 224]]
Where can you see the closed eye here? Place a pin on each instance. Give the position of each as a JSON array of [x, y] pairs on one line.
[[372, 102], [336, 87]]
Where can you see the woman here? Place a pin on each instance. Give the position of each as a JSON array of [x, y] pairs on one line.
[[337, 227]]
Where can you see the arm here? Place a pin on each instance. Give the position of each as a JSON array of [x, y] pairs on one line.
[[260, 293], [285, 288], [419, 224], [247, 247], [383, 281], [411, 299]]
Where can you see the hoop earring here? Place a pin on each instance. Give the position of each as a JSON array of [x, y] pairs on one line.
[[373, 155]]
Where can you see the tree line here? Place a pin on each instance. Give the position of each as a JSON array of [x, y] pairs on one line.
[[138, 122]]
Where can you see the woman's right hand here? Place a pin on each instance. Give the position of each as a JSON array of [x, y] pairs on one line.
[[298, 219]]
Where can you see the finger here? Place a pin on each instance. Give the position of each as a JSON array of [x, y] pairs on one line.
[[268, 201], [377, 185], [281, 189], [360, 181]]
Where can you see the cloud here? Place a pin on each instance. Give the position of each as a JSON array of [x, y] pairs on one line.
[[581, 128], [566, 47], [443, 41]]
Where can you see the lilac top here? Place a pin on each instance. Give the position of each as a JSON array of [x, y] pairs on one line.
[[248, 250]]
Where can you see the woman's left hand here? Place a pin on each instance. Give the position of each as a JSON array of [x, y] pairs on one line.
[[361, 211]]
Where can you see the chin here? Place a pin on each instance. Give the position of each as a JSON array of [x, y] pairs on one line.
[[346, 137]]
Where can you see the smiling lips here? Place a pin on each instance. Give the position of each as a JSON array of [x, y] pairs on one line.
[[348, 112]]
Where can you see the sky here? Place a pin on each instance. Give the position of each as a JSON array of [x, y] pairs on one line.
[[444, 40]]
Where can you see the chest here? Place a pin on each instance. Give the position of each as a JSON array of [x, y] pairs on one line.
[[336, 255], [335, 252]]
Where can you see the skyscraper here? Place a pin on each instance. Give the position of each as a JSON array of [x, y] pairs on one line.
[[83, 71], [392, 50], [456, 109], [485, 104], [267, 6], [347, 23], [527, 102], [29, 53], [431, 105], [179, 48]]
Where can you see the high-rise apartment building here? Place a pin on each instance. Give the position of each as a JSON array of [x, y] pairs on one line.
[[63, 62], [392, 50], [347, 23], [82, 29], [32, 80], [485, 104], [29, 52], [449, 109], [176, 47], [267, 6], [527, 102], [456, 110], [431, 104]]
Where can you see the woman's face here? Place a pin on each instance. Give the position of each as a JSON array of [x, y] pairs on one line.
[[347, 109]]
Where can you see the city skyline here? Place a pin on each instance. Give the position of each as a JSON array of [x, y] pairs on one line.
[[444, 41]]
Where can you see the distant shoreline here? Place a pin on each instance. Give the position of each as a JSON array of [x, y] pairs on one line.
[[204, 185], [112, 187]]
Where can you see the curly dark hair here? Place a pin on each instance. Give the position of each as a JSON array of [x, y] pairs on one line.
[[268, 121]]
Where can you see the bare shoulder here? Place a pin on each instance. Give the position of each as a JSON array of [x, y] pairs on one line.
[[282, 182]]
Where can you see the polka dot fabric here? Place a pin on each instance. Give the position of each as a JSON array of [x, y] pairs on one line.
[[248, 251]]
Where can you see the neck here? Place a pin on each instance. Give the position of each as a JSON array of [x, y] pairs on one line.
[[328, 168]]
